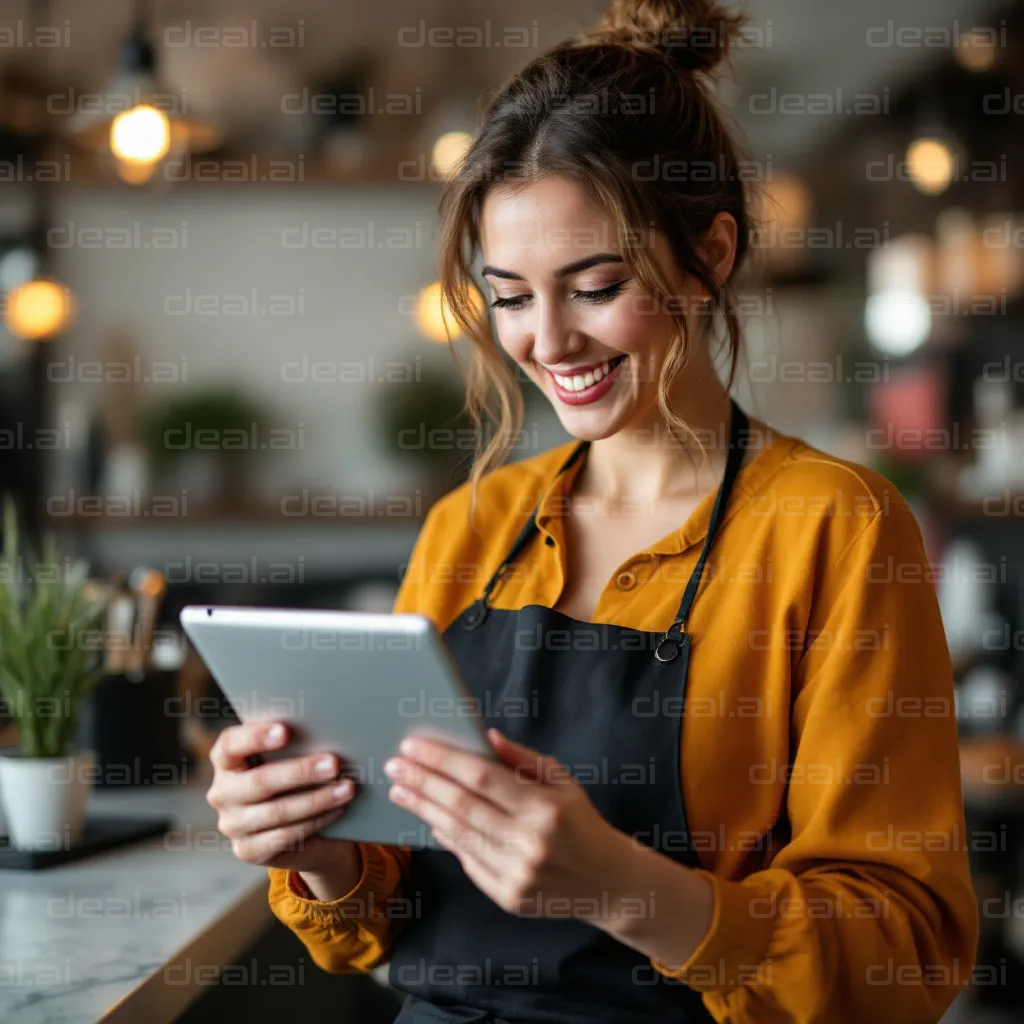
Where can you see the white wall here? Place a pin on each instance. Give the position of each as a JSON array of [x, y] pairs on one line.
[[347, 304]]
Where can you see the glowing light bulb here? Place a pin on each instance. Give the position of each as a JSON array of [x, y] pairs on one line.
[[930, 164], [38, 309], [448, 151], [434, 316], [140, 135]]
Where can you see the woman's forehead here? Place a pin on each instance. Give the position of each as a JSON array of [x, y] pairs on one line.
[[550, 217]]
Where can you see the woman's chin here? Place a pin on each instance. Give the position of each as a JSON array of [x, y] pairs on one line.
[[590, 424]]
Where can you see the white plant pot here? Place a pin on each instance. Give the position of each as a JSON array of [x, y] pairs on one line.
[[44, 799]]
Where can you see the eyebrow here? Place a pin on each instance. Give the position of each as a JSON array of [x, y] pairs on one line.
[[570, 268]]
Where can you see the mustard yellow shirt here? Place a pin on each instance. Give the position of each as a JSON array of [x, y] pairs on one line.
[[818, 660]]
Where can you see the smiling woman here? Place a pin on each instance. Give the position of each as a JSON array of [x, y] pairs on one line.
[[676, 620], [561, 167]]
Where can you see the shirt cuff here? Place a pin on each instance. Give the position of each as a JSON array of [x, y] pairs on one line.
[[733, 951], [358, 902]]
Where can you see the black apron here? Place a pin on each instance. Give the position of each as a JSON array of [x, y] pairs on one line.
[[573, 690]]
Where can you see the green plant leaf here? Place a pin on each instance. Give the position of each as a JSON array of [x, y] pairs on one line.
[[46, 668]]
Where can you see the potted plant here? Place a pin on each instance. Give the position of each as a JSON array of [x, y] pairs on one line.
[[207, 438], [49, 614], [424, 425]]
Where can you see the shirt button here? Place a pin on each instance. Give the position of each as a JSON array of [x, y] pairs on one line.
[[626, 580]]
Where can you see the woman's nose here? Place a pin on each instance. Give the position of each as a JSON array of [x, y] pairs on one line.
[[555, 337]]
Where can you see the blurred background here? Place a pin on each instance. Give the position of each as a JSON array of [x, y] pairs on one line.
[[223, 369]]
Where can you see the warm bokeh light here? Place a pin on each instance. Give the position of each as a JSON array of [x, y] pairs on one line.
[[38, 309], [140, 135], [449, 149], [785, 214], [435, 319], [930, 165], [976, 52], [788, 201]]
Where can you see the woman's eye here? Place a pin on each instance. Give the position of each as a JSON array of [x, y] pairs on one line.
[[602, 294], [509, 302]]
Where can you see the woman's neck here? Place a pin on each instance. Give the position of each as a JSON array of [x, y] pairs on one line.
[[643, 462]]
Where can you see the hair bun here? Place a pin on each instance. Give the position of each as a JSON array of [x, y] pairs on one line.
[[695, 34]]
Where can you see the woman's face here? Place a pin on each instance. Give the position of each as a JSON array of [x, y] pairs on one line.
[[569, 313]]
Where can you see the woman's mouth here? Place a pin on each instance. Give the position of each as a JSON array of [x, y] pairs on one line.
[[589, 385]]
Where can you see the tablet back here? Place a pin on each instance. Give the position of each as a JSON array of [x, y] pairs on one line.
[[352, 683]]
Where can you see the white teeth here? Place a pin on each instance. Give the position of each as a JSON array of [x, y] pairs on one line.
[[579, 381]]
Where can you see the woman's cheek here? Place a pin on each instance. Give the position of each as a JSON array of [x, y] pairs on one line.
[[513, 339], [622, 328]]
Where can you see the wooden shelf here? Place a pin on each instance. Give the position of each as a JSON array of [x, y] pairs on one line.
[[245, 170], [253, 515]]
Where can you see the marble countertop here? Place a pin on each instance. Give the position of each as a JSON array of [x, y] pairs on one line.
[[133, 934]]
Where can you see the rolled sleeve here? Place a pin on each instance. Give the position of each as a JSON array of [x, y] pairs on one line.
[[354, 933]]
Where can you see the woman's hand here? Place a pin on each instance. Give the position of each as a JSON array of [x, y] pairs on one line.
[[524, 830], [266, 822]]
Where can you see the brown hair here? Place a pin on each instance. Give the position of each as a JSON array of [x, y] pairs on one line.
[[626, 93]]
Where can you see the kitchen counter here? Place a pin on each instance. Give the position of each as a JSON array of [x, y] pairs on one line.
[[135, 934]]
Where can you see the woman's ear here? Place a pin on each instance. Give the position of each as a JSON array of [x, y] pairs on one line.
[[719, 246]]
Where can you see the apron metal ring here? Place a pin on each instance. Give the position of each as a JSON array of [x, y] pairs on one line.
[[474, 616], [667, 650]]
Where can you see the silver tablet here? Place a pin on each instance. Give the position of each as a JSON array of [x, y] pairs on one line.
[[351, 683]]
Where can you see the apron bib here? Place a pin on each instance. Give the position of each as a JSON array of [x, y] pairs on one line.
[[573, 690]]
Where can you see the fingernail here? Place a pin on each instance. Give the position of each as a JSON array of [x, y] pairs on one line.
[[343, 788], [324, 768], [275, 734]]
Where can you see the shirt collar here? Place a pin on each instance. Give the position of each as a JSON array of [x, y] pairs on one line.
[[553, 504]]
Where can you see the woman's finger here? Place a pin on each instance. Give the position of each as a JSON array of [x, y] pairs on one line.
[[264, 847], [494, 843], [473, 772], [484, 877], [528, 764], [237, 743], [270, 780], [241, 820], [468, 806]]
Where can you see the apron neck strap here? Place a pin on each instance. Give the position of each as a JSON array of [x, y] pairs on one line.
[[737, 428], [530, 526]]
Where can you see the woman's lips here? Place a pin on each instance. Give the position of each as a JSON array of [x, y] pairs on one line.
[[576, 390]]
